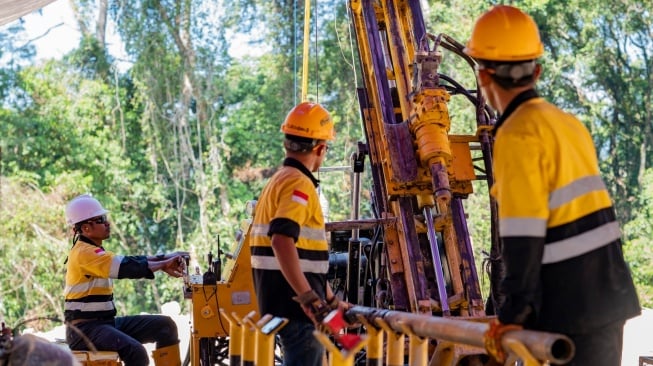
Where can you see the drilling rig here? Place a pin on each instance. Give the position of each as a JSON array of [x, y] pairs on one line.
[[421, 174], [415, 255]]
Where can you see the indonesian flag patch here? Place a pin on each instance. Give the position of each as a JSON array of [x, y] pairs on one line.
[[300, 197], [99, 251]]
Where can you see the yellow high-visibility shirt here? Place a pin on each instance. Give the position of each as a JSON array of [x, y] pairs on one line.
[[563, 268], [89, 286], [547, 180], [289, 205]]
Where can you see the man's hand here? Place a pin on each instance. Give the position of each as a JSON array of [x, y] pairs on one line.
[[166, 256], [179, 253], [173, 266], [314, 307], [334, 303], [492, 339], [342, 306]]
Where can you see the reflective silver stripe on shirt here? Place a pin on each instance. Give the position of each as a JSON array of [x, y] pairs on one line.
[[581, 244], [304, 232], [85, 287], [306, 266], [115, 266], [312, 234], [574, 190], [522, 227], [260, 230], [89, 306]]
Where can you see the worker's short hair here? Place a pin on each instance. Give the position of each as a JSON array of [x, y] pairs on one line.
[[511, 74], [300, 144], [28, 349]]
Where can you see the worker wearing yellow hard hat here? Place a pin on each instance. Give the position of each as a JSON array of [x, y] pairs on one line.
[[289, 250], [560, 240]]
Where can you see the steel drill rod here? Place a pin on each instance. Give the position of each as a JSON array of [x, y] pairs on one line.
[[552, 347], [437, 262]]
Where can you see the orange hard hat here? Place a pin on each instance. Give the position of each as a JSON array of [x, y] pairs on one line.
[[505, 33], [310, 120]]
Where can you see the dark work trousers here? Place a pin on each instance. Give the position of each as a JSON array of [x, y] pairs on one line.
[[125, 335], [602, 347], [300, 347]]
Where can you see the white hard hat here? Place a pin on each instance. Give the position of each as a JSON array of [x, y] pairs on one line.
[[82, 208]]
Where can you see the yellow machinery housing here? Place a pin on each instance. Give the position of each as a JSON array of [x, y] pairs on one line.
[[213, 295]]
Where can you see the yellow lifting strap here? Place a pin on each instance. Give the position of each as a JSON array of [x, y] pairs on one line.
[[307, 25]]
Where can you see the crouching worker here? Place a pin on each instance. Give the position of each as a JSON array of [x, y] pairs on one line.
[[89, 307]]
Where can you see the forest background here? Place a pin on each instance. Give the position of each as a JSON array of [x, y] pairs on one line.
[[176, 143]]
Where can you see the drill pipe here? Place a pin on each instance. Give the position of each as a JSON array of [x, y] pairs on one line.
[[552, 347]]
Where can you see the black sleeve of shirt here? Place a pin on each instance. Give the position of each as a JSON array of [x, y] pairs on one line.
[[284, 226], [522, 260], [135, 267]]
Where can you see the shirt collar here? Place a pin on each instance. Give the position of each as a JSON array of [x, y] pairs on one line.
[[516, 102], [294, 163], [88, 241]]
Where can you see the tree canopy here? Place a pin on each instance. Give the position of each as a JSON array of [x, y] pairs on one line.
[[178, 142]]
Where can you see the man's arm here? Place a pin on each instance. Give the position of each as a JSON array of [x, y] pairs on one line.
[[286, 253], [160, 257], [288, 258], [521, 188], [522, 257], [173, 266]]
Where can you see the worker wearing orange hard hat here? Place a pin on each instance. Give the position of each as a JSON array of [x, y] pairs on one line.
[[564, 269], [289, 249]]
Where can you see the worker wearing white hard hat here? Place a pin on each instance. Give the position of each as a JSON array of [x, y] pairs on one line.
[[89, 305]]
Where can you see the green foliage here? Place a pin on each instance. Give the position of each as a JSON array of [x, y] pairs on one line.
[[637, 248], [33, 250], [175, 145], [90, 58], [14, 53], [477, 209]]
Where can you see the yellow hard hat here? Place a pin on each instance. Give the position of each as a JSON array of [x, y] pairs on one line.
[[505, 33], [310, 120]]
